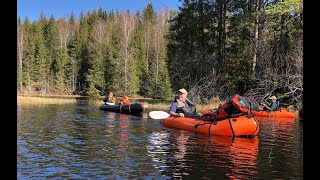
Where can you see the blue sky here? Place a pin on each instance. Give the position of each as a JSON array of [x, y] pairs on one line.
[[63, 8]]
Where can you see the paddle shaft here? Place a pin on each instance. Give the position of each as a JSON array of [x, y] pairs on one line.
[[99, 88]]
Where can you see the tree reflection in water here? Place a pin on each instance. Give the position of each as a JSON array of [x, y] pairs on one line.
[[182, 153]]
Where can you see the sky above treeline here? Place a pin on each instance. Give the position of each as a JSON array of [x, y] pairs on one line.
[[63, 8]]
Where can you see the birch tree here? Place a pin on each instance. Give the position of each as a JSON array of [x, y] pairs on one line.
[[20, 47], [128, 26]]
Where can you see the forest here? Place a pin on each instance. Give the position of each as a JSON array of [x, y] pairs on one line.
[[212, 48]]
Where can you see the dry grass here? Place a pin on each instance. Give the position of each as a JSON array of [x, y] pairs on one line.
[[166, 106], [202, 107], [44, 100], [97, 102], [157, 106]]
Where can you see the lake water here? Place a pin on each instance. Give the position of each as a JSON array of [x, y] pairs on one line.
[[79, 141]]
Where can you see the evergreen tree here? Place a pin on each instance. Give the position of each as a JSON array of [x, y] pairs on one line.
[[148, 21], [82, 54], [117, 55], [59, 70], [50, 43], [96, 57], [29, 56], [138, 55]]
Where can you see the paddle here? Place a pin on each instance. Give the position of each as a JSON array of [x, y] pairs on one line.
[[99, 88], [164, 115], [158, 114]]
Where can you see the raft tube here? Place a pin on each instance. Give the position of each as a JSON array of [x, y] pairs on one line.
[[281, 113], [241, 126], [133, 108]]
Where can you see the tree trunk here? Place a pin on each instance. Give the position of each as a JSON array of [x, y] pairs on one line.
[[257, 37], [128, 26], [20, 49]]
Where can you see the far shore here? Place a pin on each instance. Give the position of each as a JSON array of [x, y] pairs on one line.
[[72, 99]]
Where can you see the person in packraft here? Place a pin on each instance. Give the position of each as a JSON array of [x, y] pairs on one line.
[[182, 105], [124, 100], [109, 98], [271, 106]]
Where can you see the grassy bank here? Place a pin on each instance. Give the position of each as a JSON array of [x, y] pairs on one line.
[[98, 101], [44, 100]]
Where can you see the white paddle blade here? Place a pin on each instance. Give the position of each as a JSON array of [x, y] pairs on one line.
[[159, 114], [110, 103]]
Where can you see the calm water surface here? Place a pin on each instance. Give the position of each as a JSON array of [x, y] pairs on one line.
[[81, 142]]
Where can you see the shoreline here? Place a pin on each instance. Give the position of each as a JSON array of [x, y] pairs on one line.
[[71, 99]]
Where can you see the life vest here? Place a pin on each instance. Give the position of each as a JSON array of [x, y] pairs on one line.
[[270, 104], [124, 100], [109, 100], [181, 108]]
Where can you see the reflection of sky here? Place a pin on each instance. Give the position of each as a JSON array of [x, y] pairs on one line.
[[158, 149], [168, 151], [77, 142]]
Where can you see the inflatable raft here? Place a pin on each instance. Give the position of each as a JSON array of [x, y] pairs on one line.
[[238, 105], [281, 113], [133, 108], [241, 126]]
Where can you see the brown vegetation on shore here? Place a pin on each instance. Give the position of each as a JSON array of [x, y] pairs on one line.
[[97, 102], [44, 100]]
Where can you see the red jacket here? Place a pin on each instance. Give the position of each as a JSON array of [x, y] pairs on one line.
[[124, 100]]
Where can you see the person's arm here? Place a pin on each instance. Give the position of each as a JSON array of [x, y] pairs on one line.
[[200, 114], [172, 113], [172, 110], [105, 99], [266, 106]]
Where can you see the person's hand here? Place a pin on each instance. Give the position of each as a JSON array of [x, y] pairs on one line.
[[200, 114], [181, 114]]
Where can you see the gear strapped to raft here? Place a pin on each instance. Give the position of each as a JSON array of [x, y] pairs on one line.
[[234, 107]]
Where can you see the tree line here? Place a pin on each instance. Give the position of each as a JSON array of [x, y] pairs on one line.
[[211, 48]]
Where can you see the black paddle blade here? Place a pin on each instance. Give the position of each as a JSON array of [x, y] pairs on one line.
[[98, 87]]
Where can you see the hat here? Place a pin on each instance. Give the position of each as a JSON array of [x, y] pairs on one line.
[[273, 98], [183, 91]]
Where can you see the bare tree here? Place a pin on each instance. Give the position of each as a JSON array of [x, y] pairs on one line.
[[158, 35], [20, 43], [128, 26], [63, 30], [257, 35], [273, 77], [294, 81], [101, 38]]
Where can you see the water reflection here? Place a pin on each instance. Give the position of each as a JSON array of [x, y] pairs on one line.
[[82, 142], [158, 149], [282, 147], [284, 125], [181, 154]]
